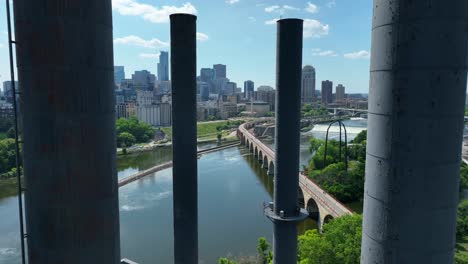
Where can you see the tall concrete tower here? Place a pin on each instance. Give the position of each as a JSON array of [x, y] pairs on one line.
[[308, 84], [163, 66], [416, 106], [327, 92], [340, 92], [68, 102]]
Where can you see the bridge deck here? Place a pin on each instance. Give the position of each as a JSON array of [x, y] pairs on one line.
[[335, 207]]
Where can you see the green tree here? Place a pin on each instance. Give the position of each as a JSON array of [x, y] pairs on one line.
[[461, 257], [360, 137], [462, 220], [125, 139], [226, 261], [142, 131], [339, 243], [5, 124], [7, 155], [11, 133], [315, 144], [265, 255], [463, 176]]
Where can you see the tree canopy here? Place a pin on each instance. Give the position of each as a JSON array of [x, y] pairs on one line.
[[340, 242], [7, 155], [141, 131], [310, 111], [345, 185]]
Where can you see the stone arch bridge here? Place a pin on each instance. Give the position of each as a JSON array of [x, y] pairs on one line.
[[321, 206]]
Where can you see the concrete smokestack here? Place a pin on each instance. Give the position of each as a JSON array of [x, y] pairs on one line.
[[416, 106], [286, 213], [65, 63], [184, 137]]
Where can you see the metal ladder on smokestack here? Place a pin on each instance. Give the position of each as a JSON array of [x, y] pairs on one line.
[[23, 235]]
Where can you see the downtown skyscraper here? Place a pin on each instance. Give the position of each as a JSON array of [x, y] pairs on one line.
[[308, 84], [220, 70], [163, 66], [327, 92], [248, 89]]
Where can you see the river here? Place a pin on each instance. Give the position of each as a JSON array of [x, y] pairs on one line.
[[232, 189]]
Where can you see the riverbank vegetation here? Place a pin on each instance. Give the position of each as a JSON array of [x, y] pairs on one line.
[[310, 111], [340, 242], [130, 131], [347, 185]]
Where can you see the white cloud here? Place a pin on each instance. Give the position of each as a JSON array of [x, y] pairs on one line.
[[311, 8], [279, 9], [362, 54], [271, 22], [1, 45], [252, 19], [324, 53], [288, 7], [137, 41], [270, 9], [315, 29], [149, 55], [331, 4], [312, 28], [202, 36], [231, 2], [148, 12]]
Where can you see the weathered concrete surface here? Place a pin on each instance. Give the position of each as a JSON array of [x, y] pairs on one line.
[[65, 66], [416, 106]]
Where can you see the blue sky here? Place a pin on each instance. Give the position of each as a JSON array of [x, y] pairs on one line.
[[242, 35]]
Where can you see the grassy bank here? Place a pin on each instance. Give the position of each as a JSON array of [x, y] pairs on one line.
[[205, 130]]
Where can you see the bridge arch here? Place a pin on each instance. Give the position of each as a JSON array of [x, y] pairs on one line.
[[247, 143], [327, 219], [260, 156], [256, 152], [271, 168], [265, 162], [251, 147], [313, 209], [300, 198]]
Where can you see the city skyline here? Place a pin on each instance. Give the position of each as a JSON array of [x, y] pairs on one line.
[[336, 42]]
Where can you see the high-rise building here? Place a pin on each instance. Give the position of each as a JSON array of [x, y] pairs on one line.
[[119, 74], [327, 92], [220, 70], [220, 85], [248, 89], [204, 90], [207, 75], [340, 92], [308, 84], [230, 88], [266, 94], [8, 90], [163, 66], [143, 80]]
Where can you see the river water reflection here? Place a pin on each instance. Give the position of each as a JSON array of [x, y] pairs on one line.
[[232, 189]]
